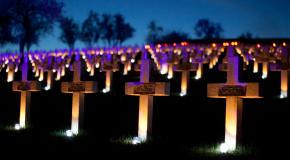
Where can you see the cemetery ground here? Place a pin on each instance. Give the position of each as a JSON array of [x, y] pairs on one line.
[[189, 127], [33, 143]]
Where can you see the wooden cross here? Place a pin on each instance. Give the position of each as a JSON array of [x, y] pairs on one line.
[[25, 87], [233, 91], [78, 89], [146, 90]]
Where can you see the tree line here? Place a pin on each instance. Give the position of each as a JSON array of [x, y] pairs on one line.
[[24, 22]]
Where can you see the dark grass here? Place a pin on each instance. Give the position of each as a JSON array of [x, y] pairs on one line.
[[33, 142]]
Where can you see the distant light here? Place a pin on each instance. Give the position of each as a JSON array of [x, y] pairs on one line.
[[169, 76], [53, 70], [67, 65], [132, 60], [97, 65], [190, 60], [17, 126], [284, 44], [226, 44], [69, 133], [123, 58], [264, 76], [147, 46], [84, 56]]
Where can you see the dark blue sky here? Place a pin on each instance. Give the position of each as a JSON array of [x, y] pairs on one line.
[[263, 18]]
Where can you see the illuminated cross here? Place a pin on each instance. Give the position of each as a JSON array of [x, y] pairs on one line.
[[198, 60], [78, 89], [283, 67], [25, 87], [109, 66], [127, 58], [172, 60], [233, 91], [185, 67], [146, 90], [263, 57]]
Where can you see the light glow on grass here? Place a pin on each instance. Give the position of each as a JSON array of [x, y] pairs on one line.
[[47, 88], [68, 133], [222, 149], [182, 93], [106, 90], [283, 95], [130, 141], [17, 126], [197, 77], [264, 76]]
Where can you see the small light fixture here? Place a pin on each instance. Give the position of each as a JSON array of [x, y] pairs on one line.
[[136, 140], [17, 126], [105, 90], [282, 96], [47, 88], [182, 93], [223, 148], [69, 133]]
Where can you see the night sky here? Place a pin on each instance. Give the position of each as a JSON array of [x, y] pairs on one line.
[[265, 19]]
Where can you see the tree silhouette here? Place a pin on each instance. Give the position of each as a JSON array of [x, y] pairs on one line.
[[107, 29], [31, 19], [122, 30], [154, 33], [206, 29], [69, 31], [90, 32], [173, 37], [246, 35]]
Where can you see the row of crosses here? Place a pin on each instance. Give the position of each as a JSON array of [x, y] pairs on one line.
[[166, 59]]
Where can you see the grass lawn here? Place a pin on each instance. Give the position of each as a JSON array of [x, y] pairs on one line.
[[54, 144]]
